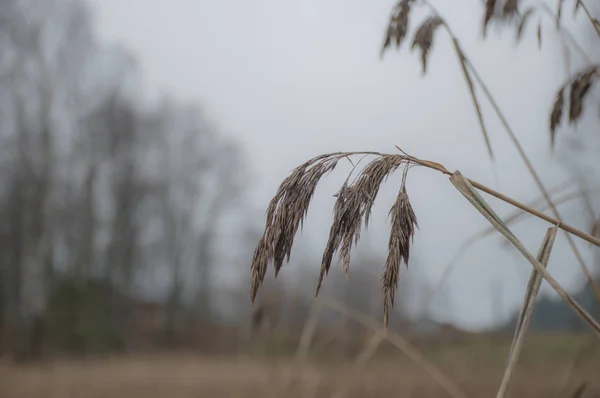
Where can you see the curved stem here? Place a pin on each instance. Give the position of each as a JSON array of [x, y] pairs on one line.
[[450, 266], [537, 180], [558, 221], [555, 221]]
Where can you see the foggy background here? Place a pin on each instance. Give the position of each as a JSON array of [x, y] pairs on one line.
[[142, 142]]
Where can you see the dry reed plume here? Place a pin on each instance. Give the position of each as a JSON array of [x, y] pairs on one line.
[[578, 87], [506, 13], [352, 208]]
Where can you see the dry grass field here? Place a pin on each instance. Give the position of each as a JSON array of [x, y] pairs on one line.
[[551, 367]]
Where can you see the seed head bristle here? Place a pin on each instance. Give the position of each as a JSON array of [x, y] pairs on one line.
[[285, 214], [386, 313], [539, 34], [489, 13], [424, 38], [293, 209], [353, 204], [398, 25], [258, 269], [346, 217], [404, 223], [556, 115], [580, 86], [511, 8], [371, 178], [522, 23]]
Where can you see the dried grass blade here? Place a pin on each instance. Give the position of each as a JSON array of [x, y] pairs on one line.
[[466, 245], [370, 348], [533, 288], [465, 187], [308, 332]]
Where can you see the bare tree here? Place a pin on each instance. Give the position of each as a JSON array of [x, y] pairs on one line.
[[95, 183]]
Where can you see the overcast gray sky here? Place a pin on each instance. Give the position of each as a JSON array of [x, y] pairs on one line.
[[293, 79]]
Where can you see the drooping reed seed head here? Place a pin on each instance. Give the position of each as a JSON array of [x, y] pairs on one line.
[[398, 26], [354, 202], [578, 88], [488, 15], [285, 214], [353, 206], [403, 226], [424, 38]]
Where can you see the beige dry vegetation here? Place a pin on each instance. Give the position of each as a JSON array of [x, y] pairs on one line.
[[551, 366]]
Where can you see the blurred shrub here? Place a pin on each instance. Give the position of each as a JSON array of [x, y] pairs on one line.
[[86, 317]]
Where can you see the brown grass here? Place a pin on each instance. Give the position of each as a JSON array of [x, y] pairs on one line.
[[476, 365]]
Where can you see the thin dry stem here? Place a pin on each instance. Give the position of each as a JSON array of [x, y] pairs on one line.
[[468, 190], [308, 332], [528, 209], [593, 21], [401, 343], [471, 86], [370, 348], [536, 178], [353, 205], [462, 59], [531, 293], [469, 242], [489, 14]]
